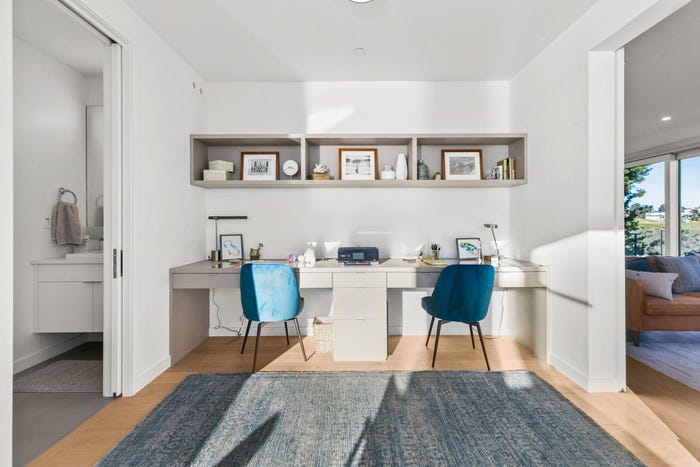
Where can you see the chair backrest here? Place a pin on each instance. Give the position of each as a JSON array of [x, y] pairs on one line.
[[269, 292], [463, 292]]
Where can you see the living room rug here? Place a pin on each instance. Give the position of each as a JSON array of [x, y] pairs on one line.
[[367, 418], [675, 354], [63, 376]]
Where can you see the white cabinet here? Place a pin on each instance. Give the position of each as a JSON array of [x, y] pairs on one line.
[[67, 297]]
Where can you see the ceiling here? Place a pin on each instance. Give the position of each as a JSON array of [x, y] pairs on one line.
[[314, 40], [51, 28], [662, 67]]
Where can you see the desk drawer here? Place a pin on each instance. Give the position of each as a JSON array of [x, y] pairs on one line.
[[315, 280], [359, 303], [521, 279], [411, 280], [206, 281], [359, 279]]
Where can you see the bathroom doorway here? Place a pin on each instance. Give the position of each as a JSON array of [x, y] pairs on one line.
[[68, 220]]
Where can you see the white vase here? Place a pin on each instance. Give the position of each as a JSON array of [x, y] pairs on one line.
[[401, 167], [310, 255]]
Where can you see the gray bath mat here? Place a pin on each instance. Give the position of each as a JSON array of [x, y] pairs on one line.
[[63, 376]]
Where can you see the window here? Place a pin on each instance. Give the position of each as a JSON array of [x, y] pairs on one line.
[[690, 205], [645, 210]]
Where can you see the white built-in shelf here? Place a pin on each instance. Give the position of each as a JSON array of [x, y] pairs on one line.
[[308, 150]]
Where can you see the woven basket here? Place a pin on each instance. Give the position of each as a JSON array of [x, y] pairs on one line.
[[320, 177], [323, 332]]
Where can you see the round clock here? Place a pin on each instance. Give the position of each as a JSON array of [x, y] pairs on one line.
[[290, 168]]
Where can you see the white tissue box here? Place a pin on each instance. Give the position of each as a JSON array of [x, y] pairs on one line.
[[217, 175], [221, 165]]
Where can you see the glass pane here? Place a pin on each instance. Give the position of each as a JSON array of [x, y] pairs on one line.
[[645, 216], [690, 205]]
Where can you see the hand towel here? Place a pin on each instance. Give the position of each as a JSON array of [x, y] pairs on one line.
[[65, 224]]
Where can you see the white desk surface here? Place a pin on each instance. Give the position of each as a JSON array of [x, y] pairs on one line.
[[386, 265]]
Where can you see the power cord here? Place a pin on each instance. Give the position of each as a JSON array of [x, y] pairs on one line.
[[218, 318]]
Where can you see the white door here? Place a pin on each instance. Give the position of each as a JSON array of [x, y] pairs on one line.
[[112, 334]]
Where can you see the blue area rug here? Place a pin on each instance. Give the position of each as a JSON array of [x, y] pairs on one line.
[[367, 418], [676, 354]]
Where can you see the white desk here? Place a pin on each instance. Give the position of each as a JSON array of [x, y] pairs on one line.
[[359, 301]]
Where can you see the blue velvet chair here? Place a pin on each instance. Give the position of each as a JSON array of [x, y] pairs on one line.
[[462, 294], [270, 294]]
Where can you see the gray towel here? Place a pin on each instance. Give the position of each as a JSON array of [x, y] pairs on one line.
[[65, 224]]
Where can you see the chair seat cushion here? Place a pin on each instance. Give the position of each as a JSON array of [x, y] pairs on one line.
[[682, 304]]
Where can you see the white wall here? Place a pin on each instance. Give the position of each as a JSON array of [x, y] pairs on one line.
[[6, 232], [49, 152], [402, 220], [558, 216], [167, 219]]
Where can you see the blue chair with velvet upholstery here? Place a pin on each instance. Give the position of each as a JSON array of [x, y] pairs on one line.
[[270, 294], [462, 294]]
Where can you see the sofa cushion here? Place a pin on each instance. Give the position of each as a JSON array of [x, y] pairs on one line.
[[640, 264], [683, 304], [658, 284], [687, 268]]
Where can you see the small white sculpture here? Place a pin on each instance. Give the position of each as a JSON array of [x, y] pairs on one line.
[[310, 255], [320, 169]]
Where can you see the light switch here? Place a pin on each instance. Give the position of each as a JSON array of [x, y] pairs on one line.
[[46, 223]]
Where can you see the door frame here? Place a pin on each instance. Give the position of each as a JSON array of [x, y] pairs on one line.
[[124, 180]]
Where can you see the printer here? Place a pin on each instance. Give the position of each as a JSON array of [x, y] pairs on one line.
[[358, 255]]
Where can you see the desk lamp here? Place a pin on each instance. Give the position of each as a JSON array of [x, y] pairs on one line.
[[493, 227], [216, 233]]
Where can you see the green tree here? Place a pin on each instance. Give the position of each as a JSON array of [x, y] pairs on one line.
[[633, 177]]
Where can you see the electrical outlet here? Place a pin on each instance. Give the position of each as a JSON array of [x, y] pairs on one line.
[[46, 223]]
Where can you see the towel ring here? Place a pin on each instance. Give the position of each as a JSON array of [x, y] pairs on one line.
[[62, 191]]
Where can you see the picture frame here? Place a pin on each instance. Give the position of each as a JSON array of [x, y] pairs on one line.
[[231, 246], [260, 165], [462, 164], [468, 248], [357, 163]]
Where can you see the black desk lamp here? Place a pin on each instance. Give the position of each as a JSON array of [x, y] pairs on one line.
[[493, 227]]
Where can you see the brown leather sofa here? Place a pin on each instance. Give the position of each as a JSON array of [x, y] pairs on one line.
[[648, 313]]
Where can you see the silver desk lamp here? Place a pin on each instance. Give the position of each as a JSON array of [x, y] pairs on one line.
[[493, 227]]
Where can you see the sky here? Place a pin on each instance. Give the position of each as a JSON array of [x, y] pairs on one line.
[[690, 184]]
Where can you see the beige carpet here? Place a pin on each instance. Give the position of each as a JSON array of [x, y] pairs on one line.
[[63, 376]]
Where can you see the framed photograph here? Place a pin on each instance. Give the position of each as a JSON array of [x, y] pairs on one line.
[[468, 248], [462, 164], [357, 164], [260, 166], [231, 246]]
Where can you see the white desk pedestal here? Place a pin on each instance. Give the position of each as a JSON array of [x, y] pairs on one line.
[[359, 324]]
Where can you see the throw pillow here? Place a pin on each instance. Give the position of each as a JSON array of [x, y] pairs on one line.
[[640, 264], [658, 284], [687, 268]]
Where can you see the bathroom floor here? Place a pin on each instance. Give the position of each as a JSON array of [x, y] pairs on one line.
[[40, 419]]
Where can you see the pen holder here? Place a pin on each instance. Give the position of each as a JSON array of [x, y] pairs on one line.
[[215, 255], [436, 253], [254, 253]]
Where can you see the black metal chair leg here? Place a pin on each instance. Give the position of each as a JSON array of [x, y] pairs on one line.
[[301, 341], [471, 331], [257, 341], [437, 340], [430, 329], [286, 332], [478, 328], [247, 330]]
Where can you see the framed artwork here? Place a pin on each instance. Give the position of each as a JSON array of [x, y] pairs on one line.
[[462, 164], [468, 248], [231, 246], [260, 166], [357, 164]]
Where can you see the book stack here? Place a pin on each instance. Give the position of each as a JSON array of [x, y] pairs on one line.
[[505, 169], [219, 171]]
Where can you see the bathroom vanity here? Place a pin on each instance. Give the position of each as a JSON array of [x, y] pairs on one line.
[[68, 293]]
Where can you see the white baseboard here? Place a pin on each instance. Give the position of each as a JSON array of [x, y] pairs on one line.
[[569, 371], [142, 380], [46, 353]]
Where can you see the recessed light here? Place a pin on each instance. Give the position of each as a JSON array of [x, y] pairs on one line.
[[360, 1], [666, 118], [360, 51]]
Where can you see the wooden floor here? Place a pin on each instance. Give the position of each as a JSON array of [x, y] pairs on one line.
[[623, 415]]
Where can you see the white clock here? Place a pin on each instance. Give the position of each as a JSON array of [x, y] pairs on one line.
[[290, 168]]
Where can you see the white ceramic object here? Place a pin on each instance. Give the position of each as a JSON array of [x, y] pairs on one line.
[[401, 167], [387, 173], [310, 255]]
